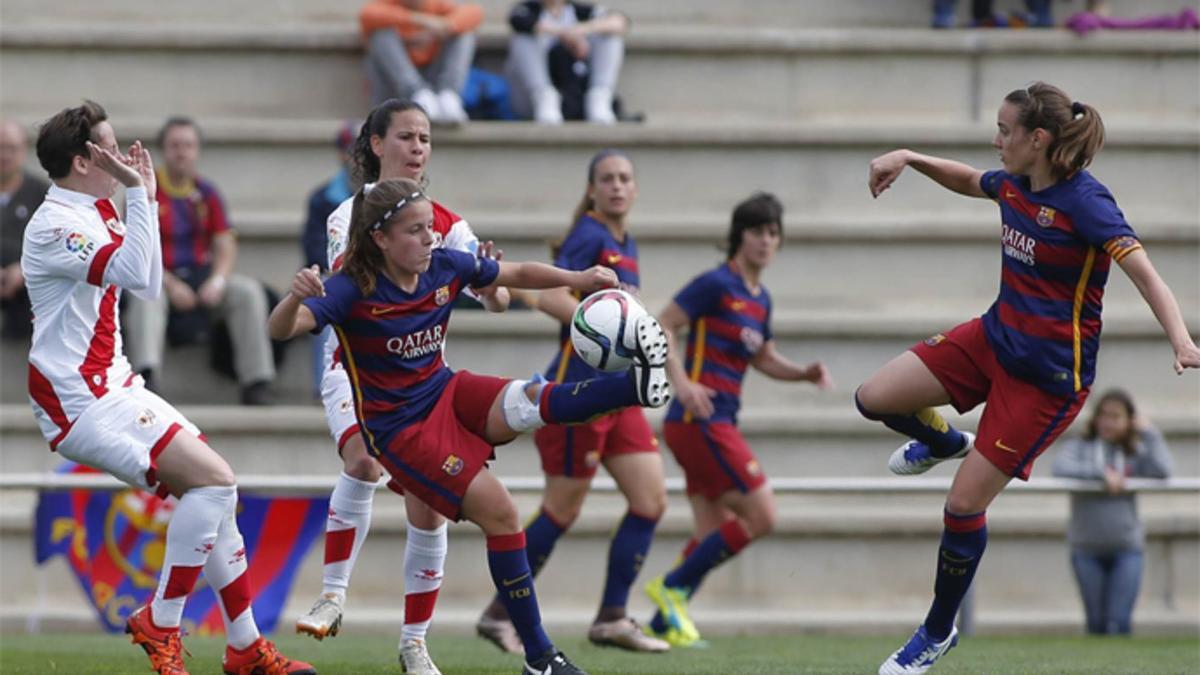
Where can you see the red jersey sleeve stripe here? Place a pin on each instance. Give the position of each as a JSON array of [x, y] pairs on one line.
[[95, 275]]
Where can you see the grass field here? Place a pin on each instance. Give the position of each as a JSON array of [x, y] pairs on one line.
[[759, 654]]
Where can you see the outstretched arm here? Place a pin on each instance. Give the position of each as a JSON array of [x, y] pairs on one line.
[[290, 318], [1162, 302], [776, 366], [541, 275], [952, 175]]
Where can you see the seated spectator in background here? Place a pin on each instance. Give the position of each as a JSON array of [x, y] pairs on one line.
[[321, 203], [199, 252], [421, 50], [20, 194], [1037, 15], [563, 60], [1105, 535]]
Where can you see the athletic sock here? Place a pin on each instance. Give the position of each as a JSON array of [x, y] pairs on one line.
[[628, 550], [424, 566], [509, 565], [226, 573], [926, 426], [963, 541], [577, 402], [716, 548], [658, 622], [191, 537], [345, 530], [540, 536]]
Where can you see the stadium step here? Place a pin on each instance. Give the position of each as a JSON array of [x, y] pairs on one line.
[[762, 13], [315, 71], [832, 557]]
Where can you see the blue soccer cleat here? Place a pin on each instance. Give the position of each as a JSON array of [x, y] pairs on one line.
[[919, 654], [915, 457]]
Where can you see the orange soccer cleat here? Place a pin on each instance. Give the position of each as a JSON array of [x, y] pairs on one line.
[[162, 646], [262, 658]]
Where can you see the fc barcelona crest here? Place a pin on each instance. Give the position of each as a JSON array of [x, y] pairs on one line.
[[453, 465], [442, 296], [1045, 216]]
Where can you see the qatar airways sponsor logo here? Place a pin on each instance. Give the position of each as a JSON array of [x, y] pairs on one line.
[[1019, 246], [418, 344]]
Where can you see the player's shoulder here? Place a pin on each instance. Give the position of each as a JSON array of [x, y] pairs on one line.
[[443, 218], [341, 215], [54, 220]]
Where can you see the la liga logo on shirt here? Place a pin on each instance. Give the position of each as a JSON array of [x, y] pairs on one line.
[[79, 245]]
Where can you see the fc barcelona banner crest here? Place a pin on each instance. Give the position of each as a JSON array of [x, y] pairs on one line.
[[114, 543]]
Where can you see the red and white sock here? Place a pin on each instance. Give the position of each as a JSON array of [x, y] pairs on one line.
[[345, 529], [424, 565], [226, 573], [191, 538]]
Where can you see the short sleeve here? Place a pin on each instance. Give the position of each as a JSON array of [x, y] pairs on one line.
[[1100, 222], [990, 182], [699, 297], [72, 251], [336, 228], [767, 332], [333, 307], [472, 270], [579, 251]]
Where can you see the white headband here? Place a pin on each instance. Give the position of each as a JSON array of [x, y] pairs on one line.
[[392, 211]]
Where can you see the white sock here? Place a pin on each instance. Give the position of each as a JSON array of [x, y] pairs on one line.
[[424, 566], [191, 536], [345, 529], [226, 574]]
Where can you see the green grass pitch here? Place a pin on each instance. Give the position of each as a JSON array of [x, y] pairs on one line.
[[369, 655]]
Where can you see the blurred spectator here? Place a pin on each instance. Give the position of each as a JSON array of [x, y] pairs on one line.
[[20, 195], [421, 50], [1105, 535], [321, 202], [1037, 15], [563, 60], [199, 252]]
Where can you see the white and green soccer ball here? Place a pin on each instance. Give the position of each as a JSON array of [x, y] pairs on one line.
[[602, 330]]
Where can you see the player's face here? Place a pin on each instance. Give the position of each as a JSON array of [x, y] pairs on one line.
[[404, 150], [1014, 142], [98, 182], [407, 242], [1112, 421], [613, 189], [759, 245], [181, 149]]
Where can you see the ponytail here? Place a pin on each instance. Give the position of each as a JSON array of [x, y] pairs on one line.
[[1076, 127]]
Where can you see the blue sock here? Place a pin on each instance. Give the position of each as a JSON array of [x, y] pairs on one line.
[[963, 542], [626, 554], [926, 426], [713, 550], [577, 402], [509, 566], [540, 536]]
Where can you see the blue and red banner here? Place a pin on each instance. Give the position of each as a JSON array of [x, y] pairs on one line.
[[114, 543]]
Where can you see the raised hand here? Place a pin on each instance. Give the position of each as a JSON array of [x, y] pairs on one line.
[[307, 283], [488, 250], [116, 165], [885, 169], [143, 163], [595, 278]]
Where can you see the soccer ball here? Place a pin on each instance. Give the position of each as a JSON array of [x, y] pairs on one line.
[[602, 329]]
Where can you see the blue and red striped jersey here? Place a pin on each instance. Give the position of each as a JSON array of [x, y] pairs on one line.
[[590, 243], [729, 324], [392, 340], [1057, 245], [189, 217]]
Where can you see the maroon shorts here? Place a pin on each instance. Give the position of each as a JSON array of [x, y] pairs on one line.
[[576, 450], [1019, 420], [714, 457], [436, 458]]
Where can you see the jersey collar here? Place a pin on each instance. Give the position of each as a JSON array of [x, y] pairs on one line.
[[65, 196]]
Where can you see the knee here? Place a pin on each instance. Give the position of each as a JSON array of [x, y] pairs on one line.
[[652, 505], [362, 467], [563, 512], [866, 400], [502, 520], [963, 504], [761, 524]]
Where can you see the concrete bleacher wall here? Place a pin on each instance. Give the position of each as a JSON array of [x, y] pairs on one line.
[[793, 97]]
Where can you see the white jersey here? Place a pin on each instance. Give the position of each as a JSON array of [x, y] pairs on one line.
[[77, 256]]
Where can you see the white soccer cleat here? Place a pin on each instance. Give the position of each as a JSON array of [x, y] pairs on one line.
[[324, 619], [919, 654], [414, 658], [649, 363], [915, 457]]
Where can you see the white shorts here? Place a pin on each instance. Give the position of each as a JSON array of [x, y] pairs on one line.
[[338, 397], [123, 434]]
